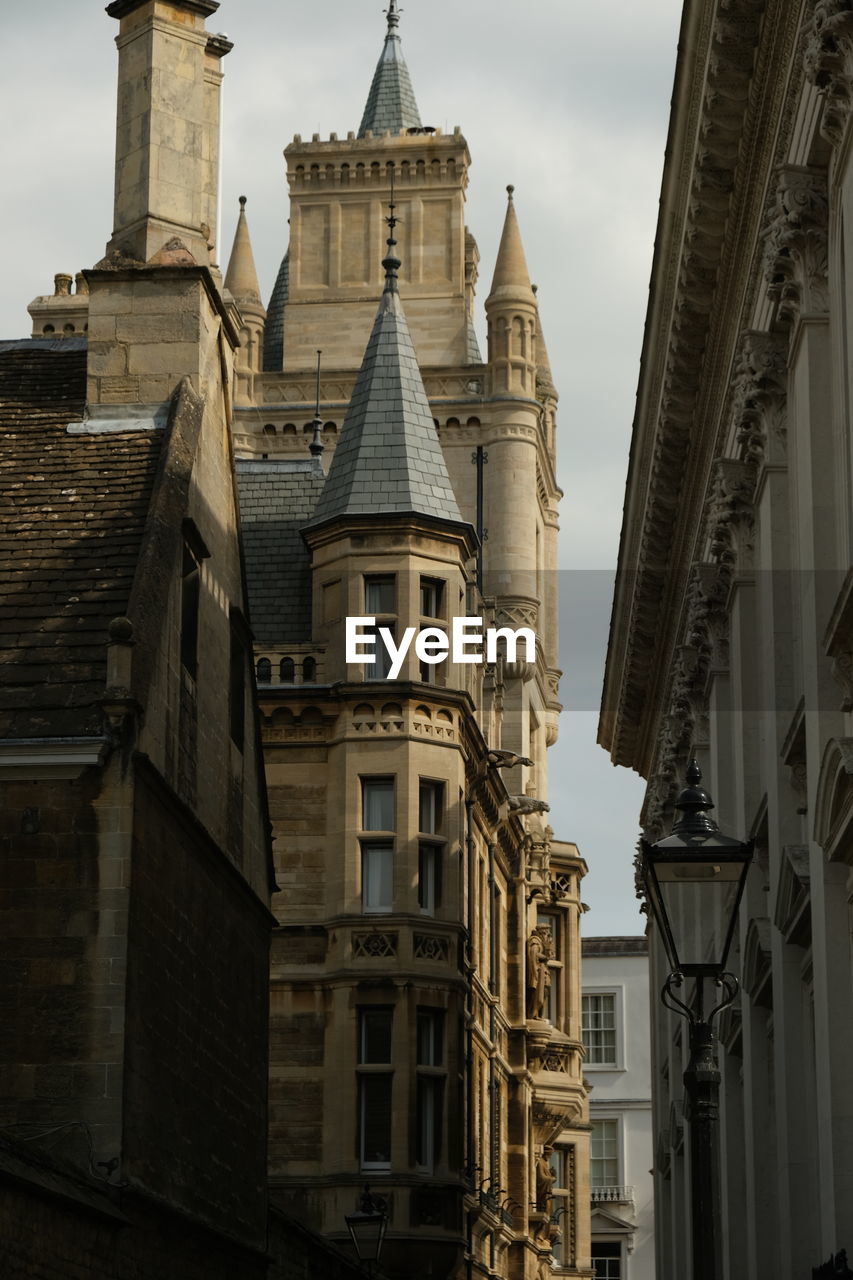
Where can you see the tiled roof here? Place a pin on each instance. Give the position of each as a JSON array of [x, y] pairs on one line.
[[274, 328], [391, 102], [277, 497], [617, 946], [388, 458], [72, 512]]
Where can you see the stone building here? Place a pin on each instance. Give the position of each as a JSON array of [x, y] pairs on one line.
[[425, 1026], [425, 1017], [731, 627]]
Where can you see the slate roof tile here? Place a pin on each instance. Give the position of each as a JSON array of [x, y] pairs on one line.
[[72, 513]]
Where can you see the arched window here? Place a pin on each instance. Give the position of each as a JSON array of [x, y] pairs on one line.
[[285, 671], [309, 670], [264, 671]]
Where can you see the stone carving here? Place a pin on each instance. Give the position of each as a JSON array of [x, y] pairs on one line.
[[374, 945], [527, 804], [795, 255], [759, 398], [545, 1179], [540, 949], [429, 946], [828, 63], [730, 514]]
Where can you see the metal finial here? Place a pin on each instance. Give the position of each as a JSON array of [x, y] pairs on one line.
[[316, 446], [242, 202], [393, 15], [693, 803], [391, 262], [509, 190]]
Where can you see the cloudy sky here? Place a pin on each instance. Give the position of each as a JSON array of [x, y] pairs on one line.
[[569, 101]]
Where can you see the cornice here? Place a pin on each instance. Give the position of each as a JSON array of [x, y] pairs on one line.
[[732, 75]]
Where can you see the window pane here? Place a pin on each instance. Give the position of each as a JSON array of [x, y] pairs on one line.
[[377, 804], [598, 1014], [430, 1037], [429, 877], [428, 1120], [377, 877], [604, 1153], [375, 1037], [380, 666], [431, 597], [375, 1118], [379, 595], [431, 795], [607, 1260]]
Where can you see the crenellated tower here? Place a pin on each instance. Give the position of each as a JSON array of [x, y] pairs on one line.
[[427, 958]]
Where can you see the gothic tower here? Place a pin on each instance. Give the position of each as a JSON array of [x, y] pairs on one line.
[[425, 1032]]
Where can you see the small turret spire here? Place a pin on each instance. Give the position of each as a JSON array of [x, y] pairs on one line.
[[511, 273], [241, 278], [391, 262], [316, 446]]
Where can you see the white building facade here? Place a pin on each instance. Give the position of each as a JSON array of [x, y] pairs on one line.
[[615, 1020]]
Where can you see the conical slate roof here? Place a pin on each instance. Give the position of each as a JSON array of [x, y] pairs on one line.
[[274, 329], [388, 459], [391, 102]]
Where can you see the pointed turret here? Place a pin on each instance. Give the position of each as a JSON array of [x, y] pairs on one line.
[[391, 102], [512, 315], [511, 278], [241, 280], [389, 459]]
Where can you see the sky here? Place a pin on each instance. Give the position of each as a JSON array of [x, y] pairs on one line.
[[567, 101]]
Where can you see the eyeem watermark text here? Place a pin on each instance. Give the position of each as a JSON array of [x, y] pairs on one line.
[[434, 645]]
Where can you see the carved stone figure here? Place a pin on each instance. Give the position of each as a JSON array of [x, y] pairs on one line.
[[540, 949], [545, 1179]]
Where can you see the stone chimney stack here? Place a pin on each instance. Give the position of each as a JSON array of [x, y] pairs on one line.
[[167, 137]]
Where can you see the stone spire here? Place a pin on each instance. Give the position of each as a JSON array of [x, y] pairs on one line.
[[512, 316], [391, 102], [241, 279], [389, 459], [511, 278]]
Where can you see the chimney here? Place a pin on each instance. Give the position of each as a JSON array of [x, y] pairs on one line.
[[167, 136]]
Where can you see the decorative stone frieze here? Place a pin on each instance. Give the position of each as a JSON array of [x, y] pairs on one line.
[[704, 648], [828, 63], [731, 514], [759, 398], [795, 256]]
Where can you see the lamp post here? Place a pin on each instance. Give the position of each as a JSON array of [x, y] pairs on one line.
[[694, 880], [367, 1228]]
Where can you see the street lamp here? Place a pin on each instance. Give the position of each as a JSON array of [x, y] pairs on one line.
[[367, 1228], [694, 881]]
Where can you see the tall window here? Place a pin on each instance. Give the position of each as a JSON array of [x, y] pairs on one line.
[[598, 1022], [377, 854], [430, 845], [607, 1260], [432, 606], [430, 1087], [563, 1199], [604, 1154], [375, 1086], [380, 602]]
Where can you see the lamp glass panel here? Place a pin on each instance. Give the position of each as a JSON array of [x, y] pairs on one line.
[[699, 911]]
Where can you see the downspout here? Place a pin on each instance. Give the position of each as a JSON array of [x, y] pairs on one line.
[[469, 1031]]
